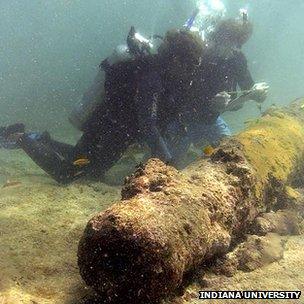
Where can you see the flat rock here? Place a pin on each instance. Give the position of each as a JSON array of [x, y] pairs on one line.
[[256, 252], [282, 222]]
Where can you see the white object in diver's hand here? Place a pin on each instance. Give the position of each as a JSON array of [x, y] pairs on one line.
[[259, 92], [260, 86]]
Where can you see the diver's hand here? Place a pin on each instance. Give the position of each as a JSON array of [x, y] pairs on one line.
[[220, 102], [259, 92]]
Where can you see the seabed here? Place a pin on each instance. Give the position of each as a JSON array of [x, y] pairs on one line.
[[41, 223]]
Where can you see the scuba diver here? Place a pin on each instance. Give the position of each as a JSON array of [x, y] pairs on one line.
[[130, 109], [202, 21], [166, 100], [223, 69], [136, 47]]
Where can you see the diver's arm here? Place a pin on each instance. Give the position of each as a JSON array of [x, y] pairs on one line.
[[146, 103], [237, 103], [243, 76], [244, 80], [257, 93]]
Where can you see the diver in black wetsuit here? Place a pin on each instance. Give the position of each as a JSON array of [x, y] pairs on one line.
[[114, 126], [178, 93], [133, 110], [223, 69]]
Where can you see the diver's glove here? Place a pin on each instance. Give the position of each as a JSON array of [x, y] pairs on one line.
[[259, 92], [220, 102]]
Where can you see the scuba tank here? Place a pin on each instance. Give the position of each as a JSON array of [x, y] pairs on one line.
[[136, 46], [95, 94], [90, 100]]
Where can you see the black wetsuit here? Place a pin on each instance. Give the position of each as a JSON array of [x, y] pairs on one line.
[[216, 74], [128, 114], [141, 101], [197, 113]]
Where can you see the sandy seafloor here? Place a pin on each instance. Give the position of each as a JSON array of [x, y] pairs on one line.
[[41, 223]]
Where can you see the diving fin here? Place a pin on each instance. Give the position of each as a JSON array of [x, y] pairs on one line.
[[5, 132]]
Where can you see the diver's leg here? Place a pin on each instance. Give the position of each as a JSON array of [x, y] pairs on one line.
[[101, 146], [66, 150], [8, 133], [61, 169], [53, 157], [217, 131], [210, 134], [57, 159], [106, 147], [100, 152]]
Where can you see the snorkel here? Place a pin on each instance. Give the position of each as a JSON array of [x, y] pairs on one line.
[[244, 15]]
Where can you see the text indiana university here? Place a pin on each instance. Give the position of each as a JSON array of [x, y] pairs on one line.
[[207, 295]]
